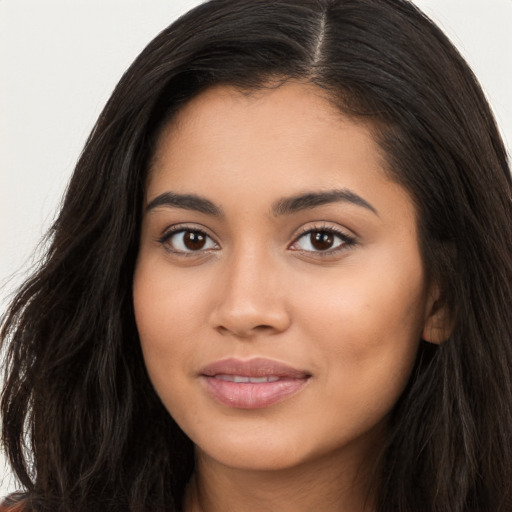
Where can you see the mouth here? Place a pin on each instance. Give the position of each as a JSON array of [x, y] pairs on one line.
[[242, 378], [252, 384]]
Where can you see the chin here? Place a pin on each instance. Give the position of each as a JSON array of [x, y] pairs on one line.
[[255, 458]]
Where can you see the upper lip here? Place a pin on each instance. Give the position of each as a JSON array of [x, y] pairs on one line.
[[258, 367]]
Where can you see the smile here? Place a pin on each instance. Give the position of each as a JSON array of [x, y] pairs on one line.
[[252, 384], [241, 378]]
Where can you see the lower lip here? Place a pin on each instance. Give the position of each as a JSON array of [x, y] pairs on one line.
[[248, 395]]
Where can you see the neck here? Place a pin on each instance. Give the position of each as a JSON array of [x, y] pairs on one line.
[[323, 485]]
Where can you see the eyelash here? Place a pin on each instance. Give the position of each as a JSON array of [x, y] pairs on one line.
[[348, 241], [164, 239]]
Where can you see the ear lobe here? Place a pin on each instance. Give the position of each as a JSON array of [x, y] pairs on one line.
[[438, 324]]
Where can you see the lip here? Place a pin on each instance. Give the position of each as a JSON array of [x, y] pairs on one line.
[[275, 382]]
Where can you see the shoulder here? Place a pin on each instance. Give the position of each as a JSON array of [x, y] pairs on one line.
[[12, 504]]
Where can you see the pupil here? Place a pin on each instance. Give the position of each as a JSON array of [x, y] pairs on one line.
[[194, 240], [322, 240]]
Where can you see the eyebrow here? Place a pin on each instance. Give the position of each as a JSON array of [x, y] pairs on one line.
[[301, 202], [186, 202], [285, 206]]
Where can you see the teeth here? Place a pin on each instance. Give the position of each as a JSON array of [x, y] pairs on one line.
[[242, 379], [258, 379]]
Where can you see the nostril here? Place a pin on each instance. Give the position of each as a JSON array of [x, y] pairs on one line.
[[245, 315], [247, 332], [263, 328]]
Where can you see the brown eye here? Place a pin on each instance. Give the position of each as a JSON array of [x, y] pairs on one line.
[[321, 240], [187, 241], [193, 240]]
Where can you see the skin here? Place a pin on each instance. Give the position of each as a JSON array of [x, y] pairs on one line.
[[350, 315]]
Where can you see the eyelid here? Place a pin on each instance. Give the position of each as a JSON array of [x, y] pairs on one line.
[[348, 240], [174, 229]]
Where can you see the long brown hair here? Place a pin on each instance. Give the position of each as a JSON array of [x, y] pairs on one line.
[[82, 425]]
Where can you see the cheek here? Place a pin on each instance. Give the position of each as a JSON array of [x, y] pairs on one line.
[[366, 326], [166, 302], [377, 296], [167, 322]]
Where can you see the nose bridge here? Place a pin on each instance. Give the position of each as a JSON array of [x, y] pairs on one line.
[[249, 298]]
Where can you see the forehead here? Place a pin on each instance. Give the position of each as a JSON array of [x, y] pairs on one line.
[[267, 144], [294, 118]]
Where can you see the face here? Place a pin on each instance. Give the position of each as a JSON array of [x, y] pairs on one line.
[[279, 291]]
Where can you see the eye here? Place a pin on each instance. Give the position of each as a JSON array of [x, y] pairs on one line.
[[324, 240], [187, 241]]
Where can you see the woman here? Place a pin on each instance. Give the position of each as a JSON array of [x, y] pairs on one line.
[[280, 279]]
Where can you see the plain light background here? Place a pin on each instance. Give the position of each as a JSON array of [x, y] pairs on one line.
[[60, 60]]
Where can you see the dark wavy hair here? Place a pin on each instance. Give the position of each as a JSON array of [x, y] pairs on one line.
[[82, 426]]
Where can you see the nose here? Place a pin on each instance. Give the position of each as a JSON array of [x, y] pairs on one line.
[[251, 299]]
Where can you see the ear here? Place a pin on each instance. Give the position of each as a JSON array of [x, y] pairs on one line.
[[438, 324]]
